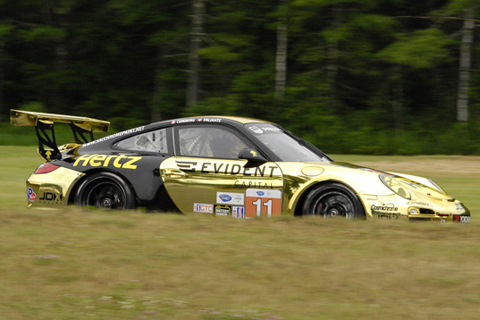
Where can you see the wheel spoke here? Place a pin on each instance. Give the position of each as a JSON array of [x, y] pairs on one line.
[[333, 200], [105, 190], [334, 204], [106, 195]]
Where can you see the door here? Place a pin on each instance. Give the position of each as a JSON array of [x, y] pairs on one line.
[[207, 176]]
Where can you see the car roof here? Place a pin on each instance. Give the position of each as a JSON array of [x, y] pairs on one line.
[[240, 120], [231, 120]]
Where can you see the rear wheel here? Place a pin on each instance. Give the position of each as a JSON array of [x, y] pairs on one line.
[[105, 190], [333, 200]]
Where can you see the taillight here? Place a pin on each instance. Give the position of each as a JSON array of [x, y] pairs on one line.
[[46, 168]]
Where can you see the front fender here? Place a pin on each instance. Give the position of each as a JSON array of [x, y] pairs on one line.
[[300, 178]]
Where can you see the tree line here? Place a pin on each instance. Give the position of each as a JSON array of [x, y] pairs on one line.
[[354, 76]]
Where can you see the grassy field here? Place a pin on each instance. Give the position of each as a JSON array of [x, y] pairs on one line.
[[68, 264]]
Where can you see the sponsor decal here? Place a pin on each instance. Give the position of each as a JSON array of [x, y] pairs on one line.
[[384, 208], [102, 160], [253, 184], [31, 195], [386, 211], [238, 212], [230, 198], [256, 129], [418, 203], [203, 207], [461, 219], [387, 216], [271, 129], [228, 168], [51, 197], [186, 165], [209, 120], [222, 210], [118, 134], [261, 202], [460, 208], [182, 121], [48, 154], [225, 197], [265, 129]]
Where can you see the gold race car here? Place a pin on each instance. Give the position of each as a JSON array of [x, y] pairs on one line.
[[224, 166]]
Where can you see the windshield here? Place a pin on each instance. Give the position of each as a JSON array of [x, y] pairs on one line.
[[285, 146]]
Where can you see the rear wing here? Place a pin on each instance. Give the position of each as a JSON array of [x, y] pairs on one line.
[[44, 127]]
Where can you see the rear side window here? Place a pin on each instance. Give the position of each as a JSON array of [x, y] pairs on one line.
[[153, 141]]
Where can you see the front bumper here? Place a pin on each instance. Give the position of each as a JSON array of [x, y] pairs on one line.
[[456, 212], [395, 207]]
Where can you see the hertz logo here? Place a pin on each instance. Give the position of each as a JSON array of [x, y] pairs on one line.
[[102, 160]]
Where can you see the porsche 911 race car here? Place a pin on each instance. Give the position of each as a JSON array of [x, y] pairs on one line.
[[224, 166]]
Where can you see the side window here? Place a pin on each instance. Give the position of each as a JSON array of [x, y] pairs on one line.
[[209, 142], [153, 141]]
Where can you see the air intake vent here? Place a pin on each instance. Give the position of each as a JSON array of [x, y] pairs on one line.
[[426, 211]]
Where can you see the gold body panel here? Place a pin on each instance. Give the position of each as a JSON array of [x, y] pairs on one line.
[[203, 185], [192, 182], [31, 118], [51, 189]]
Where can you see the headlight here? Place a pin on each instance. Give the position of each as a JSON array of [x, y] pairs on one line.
[[396, 185]]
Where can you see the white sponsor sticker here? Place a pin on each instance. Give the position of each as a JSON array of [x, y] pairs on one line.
[[264, 193], [203, 207], [238, 212], [256, 129], [231, 198]]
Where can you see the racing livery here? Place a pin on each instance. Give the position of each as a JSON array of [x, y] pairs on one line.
[[218, 165]]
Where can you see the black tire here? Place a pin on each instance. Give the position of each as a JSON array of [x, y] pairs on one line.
[[105, 190], [333, 200]]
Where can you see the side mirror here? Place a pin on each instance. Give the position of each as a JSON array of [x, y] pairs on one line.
[[252, 156]]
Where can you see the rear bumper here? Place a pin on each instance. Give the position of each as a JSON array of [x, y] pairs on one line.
[[51, 189]]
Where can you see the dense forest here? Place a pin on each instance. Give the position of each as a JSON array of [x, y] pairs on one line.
[[351, 76]]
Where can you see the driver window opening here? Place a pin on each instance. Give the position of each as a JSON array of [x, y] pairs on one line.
[[209, 142]]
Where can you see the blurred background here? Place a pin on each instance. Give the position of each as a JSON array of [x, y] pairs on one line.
[[351, 76]]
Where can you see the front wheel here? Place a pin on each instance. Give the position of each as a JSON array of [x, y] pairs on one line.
[[104, 190], [333, 200]]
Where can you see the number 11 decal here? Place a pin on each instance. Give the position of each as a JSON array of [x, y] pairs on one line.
[[261, 202]]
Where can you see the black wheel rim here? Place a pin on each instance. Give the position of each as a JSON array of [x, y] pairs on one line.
[[334, 204], [106, 195]]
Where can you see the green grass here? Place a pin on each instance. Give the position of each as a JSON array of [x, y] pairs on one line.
[[16, 164], [68, 264]]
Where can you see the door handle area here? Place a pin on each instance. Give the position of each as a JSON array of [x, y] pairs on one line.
[[174, 173]]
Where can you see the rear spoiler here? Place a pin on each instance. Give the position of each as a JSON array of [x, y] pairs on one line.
[[44, 127]]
